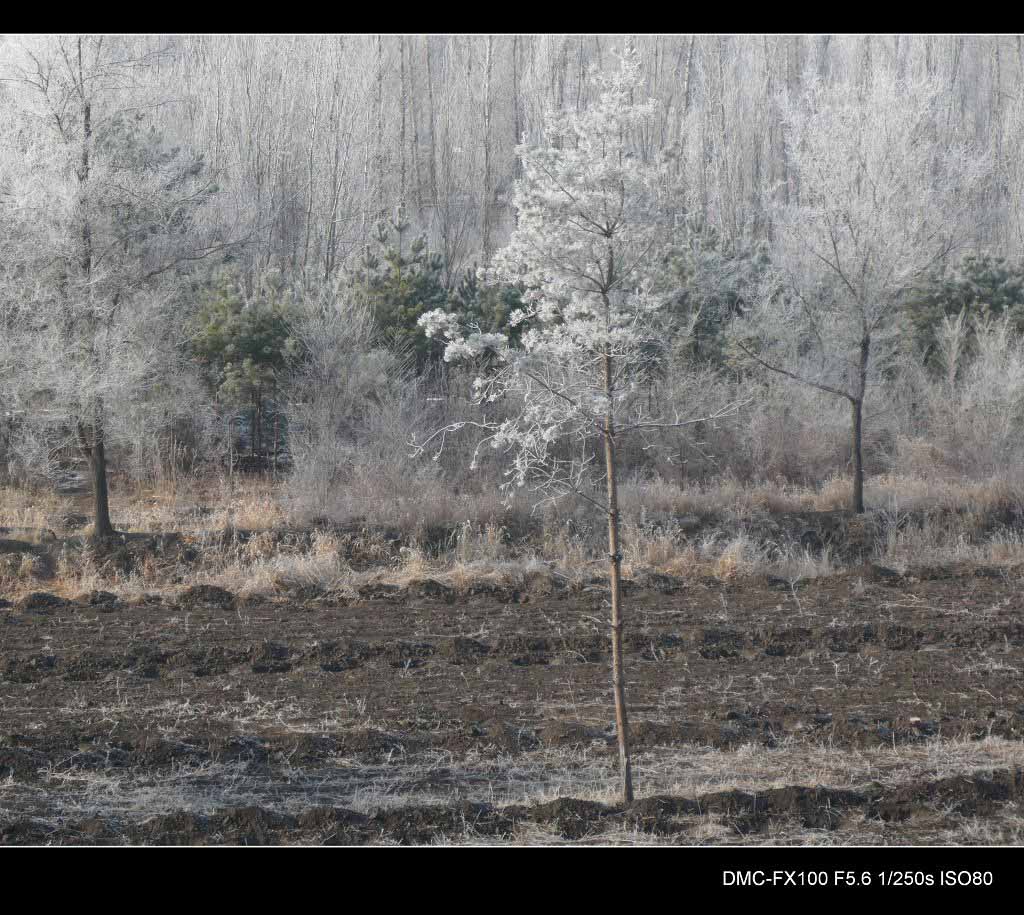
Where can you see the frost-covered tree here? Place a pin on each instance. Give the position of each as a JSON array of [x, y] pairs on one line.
[[104, 221], [340, 388], [883, 196], [970, 401], [584, 251]]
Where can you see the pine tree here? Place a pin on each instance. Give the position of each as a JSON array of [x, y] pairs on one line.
[[399, 287], [583, 249], [244, 343], [979, 287]]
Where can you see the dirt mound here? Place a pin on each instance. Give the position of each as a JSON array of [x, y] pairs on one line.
[[462, 650], [32, 669], [252, 825], [421, 825], [207, 596], [308, 748], [100, 600], [492, 726], [161, 752], [656, 581], [379, 591], [660, 814], [42, 602], [14, 546], [333, 826], [337, 656], [825, 808], [571, 817], [525, 650], [965, 795], [20, 764], [270, 658], [179, 828], [430, 588], [90, 665], [568, 734], [209, 661], [406, 655], [252, 752], [370, 742], [501, 593]]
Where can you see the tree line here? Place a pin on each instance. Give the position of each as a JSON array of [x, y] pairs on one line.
[[189, 222]]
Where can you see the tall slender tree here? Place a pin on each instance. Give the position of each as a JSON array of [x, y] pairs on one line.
[[583, 249]]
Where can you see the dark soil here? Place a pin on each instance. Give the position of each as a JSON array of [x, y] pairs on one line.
[[385, 719]]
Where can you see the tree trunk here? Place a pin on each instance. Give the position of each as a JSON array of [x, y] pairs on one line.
[[485, 193], [381, 214], [95, 452], [858, 460], [98, 470], [401, 133], [614, 579], [858, 422], [517, 130]]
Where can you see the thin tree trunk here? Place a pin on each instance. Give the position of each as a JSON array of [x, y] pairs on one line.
[[858, 459], [858, 422], [415, 150], [614, 578], [485, 193], [517, 129], [433, 124], [94, 450], [381, 214], [401, 135], [688, 84]]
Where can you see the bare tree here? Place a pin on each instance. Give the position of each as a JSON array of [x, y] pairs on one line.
[[882, 200], [106, 215]]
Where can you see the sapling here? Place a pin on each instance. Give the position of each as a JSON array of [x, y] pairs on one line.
[[590, 216]]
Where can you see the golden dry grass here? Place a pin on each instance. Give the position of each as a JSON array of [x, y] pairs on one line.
[[957, 529]]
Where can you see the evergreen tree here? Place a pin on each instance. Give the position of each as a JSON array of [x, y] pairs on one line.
[[244, 343], [588, 222], [712, 280], [487, 307], [980, 286], [399, 286]]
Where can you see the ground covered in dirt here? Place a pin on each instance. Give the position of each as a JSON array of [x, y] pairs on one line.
[[866, 707]]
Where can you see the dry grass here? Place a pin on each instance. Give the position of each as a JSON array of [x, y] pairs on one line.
[[402, 781], [31, 511], [262, 504], [730, 499], [219, 504], [903, 544], [701, 532]]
